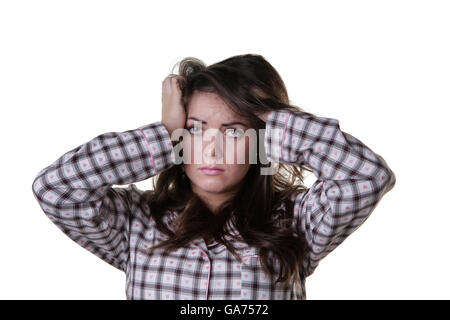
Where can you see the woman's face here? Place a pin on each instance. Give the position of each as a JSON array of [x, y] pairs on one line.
[[202, 147]]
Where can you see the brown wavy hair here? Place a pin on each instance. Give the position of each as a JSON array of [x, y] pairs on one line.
[[250, 86]]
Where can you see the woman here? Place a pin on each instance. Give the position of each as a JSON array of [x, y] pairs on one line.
[[236, 231]]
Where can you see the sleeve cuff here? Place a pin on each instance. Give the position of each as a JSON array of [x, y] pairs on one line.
[[159, 145]]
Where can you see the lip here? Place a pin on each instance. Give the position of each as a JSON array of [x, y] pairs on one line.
[[212, 168], [211, 171]]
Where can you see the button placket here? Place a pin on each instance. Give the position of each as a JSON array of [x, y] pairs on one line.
[[207, 268], [246, 271]]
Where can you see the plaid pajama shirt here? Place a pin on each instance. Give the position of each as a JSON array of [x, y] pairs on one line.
[[76, 193]]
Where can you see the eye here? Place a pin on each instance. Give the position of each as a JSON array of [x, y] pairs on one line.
[[193, 127], [235, 133]]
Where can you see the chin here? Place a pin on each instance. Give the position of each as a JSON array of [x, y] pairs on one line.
[[212, 186]]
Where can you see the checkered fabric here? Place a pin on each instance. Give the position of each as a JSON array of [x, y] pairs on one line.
[[76, 193]]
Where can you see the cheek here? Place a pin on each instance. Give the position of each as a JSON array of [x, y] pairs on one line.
[[240, 152], [189, 170], [237, 152], [236, 172], [192, 150]]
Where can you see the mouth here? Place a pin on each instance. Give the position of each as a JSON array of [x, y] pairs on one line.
[[212, 170]]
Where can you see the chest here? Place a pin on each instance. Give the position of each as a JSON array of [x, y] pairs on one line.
[[197, 272]]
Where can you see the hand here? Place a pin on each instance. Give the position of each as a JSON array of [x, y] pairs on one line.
[[173, 112]]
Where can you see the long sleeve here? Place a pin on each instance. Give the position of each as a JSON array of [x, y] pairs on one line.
[[76, 193], [351, 178]]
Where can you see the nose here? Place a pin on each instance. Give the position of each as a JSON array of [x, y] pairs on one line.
[[212, 148]]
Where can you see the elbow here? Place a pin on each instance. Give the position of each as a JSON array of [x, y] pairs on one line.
[[38, 187], [46, 207], [387, 177], [388, 180], [391, 181], [35, 187]]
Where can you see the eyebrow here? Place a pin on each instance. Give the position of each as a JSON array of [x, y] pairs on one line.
[[223, 124]]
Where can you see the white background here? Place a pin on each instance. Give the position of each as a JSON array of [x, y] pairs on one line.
[[71, 70]]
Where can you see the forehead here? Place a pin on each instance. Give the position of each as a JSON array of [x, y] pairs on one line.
[[211, 108]]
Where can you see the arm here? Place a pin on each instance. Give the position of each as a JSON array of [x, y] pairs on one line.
[[76, 193], [351, 178]]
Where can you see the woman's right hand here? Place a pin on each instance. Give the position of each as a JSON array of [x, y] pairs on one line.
[[173, 112]]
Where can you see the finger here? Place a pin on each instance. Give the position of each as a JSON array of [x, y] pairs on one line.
[[166, 82], [172, 78], [168, 78], [181, 80]]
